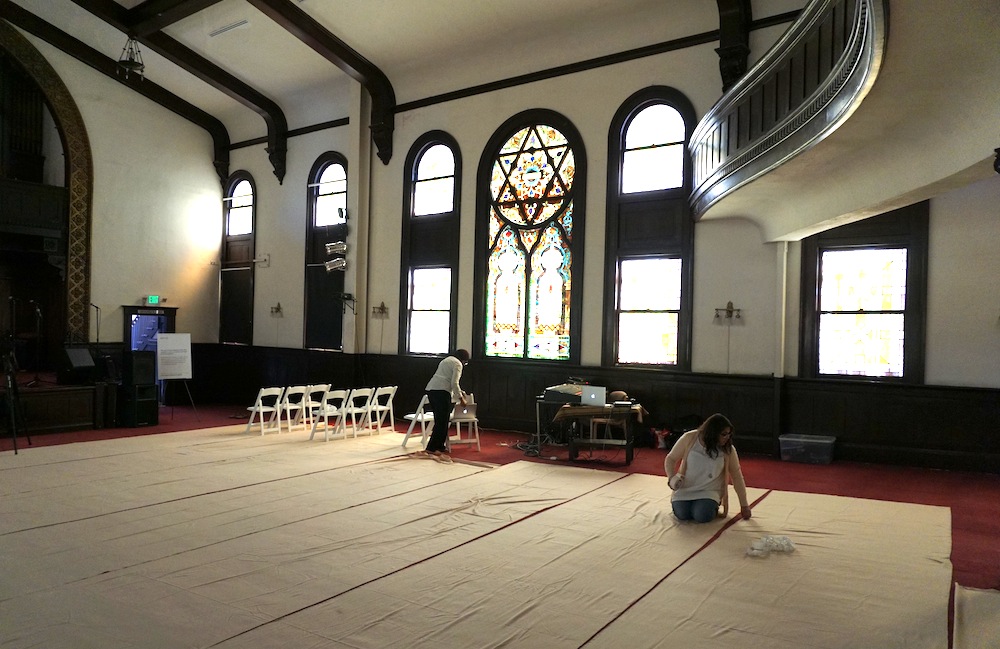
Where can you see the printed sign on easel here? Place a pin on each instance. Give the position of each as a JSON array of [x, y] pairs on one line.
[[173, 356]]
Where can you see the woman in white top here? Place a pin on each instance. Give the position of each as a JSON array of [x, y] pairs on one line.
[[443, 390], [699, 468]]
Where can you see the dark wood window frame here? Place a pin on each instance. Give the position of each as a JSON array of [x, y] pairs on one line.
[[902, 228], [236, 290], [648, 224], [431, 240], [324, 300]]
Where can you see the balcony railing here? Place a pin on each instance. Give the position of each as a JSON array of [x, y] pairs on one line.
[[803, 89]]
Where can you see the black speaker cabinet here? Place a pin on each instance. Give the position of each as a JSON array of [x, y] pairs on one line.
[[77, 367], [138, 405], [138, 368]]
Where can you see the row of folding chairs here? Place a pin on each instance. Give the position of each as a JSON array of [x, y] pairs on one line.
[[367, 410]]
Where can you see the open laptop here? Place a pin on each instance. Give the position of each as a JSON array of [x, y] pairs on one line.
[[464, 413], [594, 396]]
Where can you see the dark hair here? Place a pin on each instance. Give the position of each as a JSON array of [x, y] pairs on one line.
[[711, 430], [462, 355]]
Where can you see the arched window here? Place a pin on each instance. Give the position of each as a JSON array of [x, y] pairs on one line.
[[326, 203], [530, 237], [649, 232], [236, 281], [429, 250]]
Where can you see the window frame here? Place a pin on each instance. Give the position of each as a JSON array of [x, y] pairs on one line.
[[324, 320], [484, 199], [654, 223], [429, 240], [903, 228], [238, 252]]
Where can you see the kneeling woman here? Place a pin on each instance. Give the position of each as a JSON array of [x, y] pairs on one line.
[[699, 468]]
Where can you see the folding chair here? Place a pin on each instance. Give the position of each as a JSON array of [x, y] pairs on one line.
[[470, 419], [333, 408], [267, 402], [359, 408], [291, 402], [311, 402], [424, 417], [382, 406]]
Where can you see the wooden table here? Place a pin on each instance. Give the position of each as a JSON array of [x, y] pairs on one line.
[[627, 410]]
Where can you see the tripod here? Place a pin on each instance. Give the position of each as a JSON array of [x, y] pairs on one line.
[[12, 397]]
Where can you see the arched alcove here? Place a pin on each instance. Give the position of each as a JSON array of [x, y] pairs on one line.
[[79, 176]]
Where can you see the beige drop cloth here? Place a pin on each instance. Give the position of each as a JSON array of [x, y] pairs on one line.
[[977, 618], [213, 538]]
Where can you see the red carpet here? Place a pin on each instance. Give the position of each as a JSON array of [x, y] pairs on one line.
[[974, 498]]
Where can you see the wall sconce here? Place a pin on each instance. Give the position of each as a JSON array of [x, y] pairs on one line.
[[337, 247], [380, 311], [729, 312], [346, 299], [335, 264]]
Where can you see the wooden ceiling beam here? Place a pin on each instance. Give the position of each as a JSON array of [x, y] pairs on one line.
[[301, 25]]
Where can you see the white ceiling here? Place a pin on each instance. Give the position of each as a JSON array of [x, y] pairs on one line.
[[933, 114]]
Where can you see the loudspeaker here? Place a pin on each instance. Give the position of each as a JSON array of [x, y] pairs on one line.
[[77, 366], [138, 405], [138, 368]]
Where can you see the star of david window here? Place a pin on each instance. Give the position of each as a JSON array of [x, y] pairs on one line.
[[530, 234]]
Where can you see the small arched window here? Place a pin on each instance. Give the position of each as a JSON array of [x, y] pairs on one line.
[[653, 157], [326, 223], [330, 192], [434, 187]]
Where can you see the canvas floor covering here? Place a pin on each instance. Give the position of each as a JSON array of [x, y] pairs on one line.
[[214, 538]]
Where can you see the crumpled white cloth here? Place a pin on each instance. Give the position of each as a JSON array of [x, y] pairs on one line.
[[765, 545]]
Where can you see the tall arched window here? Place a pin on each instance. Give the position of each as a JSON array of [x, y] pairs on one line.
[[236, 281], [649, 232], [326, 201], [530, 238], [429, 252]]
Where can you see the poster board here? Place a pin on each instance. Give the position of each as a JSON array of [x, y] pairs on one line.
[[173, 356]]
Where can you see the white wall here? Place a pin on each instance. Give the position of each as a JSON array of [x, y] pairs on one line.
[[963, 287], [156, 204]]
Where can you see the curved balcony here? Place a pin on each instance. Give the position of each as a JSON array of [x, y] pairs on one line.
[[803, 89]]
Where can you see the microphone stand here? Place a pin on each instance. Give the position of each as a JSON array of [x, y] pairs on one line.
[[38, 342]]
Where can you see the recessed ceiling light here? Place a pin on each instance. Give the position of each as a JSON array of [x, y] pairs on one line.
[[226, 28]]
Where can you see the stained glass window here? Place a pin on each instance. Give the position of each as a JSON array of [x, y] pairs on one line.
[[529, 272], [649, 303], [240, 216], [862, 304]]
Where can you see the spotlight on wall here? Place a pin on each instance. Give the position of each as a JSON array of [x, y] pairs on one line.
[[337, 247], [335, 264]]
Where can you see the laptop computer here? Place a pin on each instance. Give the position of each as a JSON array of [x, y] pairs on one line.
[[594, 396], [464, 413]]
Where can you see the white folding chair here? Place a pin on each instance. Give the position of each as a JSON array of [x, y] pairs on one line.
[[382, 407], [311, 402], [332, 414], [359, 408], [472, 434], [290, 408], [267, 402], [421, 416]]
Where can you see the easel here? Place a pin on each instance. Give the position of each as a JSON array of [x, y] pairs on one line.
[[190, 398], [13, 398]]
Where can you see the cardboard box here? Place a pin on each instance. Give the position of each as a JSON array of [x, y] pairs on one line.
[[811, 449]]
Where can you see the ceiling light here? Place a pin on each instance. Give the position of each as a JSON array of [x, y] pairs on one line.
[[226, 28], [130, 61]]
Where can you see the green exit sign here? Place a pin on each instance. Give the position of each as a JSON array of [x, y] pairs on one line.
[[152, 299]]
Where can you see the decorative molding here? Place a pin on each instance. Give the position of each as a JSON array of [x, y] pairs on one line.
[[79, 176]]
